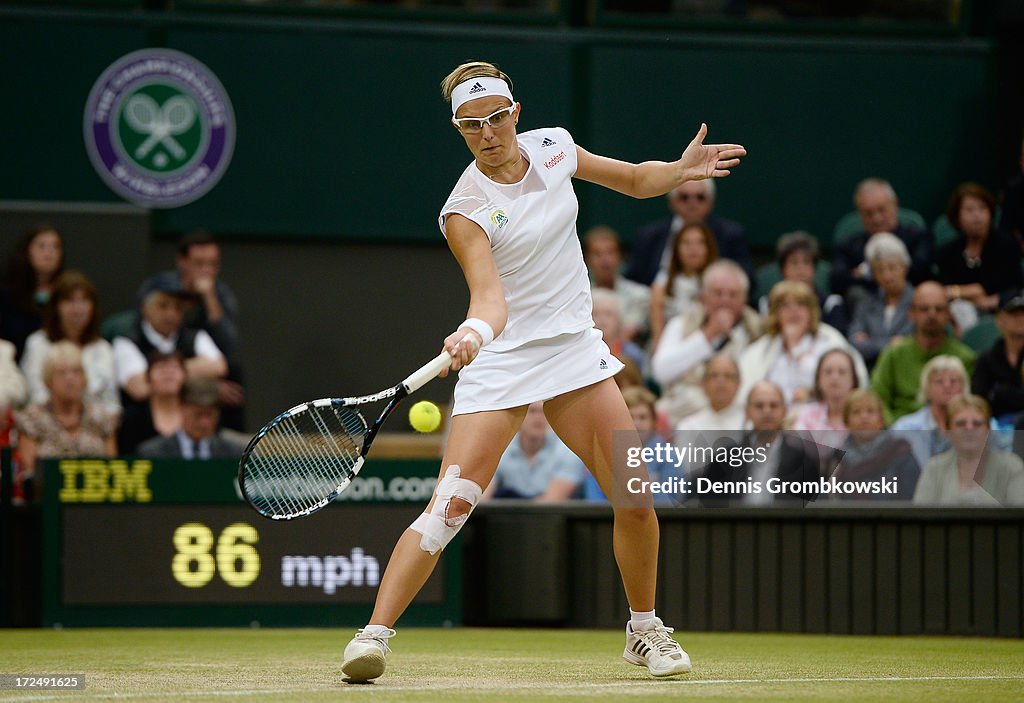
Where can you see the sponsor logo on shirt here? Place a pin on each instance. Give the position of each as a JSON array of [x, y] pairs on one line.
[[499, 218], [555, 160], [548, 142]]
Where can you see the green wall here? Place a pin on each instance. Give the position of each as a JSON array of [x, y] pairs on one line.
[[342, 132]]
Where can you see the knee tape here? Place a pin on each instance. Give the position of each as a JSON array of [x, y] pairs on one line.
[[437, 528]]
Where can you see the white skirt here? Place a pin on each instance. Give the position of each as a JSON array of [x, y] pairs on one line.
[[535, 371]]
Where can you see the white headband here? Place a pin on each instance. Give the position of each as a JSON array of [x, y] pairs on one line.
[[479, 87]]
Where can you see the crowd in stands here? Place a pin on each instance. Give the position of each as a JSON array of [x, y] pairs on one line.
[[898, 360], [160, 380], [900, 357]]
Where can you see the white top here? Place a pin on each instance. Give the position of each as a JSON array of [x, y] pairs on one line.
[[676, 355], [728, 419], [130, 361], [97, 359], [12, 384], [532, 229]]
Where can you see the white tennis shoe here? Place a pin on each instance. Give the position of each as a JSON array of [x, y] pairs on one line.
[[656, 650], [366, 655]]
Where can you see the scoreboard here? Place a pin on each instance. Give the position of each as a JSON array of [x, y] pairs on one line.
[[140, 542]]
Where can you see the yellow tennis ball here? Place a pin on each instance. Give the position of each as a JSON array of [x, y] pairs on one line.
[[424, 416]]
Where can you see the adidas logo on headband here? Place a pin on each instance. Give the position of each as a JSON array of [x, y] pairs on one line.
[[477, 88]]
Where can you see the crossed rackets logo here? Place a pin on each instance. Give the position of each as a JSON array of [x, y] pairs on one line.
[[160, 123]]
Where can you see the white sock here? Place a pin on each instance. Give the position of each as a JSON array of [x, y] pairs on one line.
[[641, 621], [374, 630]]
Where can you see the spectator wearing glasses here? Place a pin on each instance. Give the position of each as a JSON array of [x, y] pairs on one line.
[[973, 473], [693, 201], [897, 375]]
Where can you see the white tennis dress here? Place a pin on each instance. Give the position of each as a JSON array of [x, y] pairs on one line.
[[549, 345]]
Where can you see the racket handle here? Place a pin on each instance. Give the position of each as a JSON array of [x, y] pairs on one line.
[[427, 372]]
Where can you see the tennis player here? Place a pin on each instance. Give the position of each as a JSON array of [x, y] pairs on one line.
[[529, 336]]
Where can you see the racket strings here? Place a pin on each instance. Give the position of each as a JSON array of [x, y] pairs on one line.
[[305, 459]]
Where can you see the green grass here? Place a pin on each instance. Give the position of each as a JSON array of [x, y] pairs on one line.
[[457, 665]]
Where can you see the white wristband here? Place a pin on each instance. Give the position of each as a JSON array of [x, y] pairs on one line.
[[485, 331]]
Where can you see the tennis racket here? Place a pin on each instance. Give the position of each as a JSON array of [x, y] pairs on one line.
[[302, 459]]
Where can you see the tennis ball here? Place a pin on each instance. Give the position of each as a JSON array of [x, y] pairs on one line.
[[424, 416]]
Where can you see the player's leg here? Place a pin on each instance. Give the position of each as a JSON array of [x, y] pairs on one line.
[[475, 444], [587, 420]]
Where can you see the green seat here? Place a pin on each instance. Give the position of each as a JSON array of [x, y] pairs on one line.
[[767, 275], [118, 324], [983, 335], [850, 223], [943, 231]]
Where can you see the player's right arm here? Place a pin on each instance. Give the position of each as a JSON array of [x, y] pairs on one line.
[[472, 250]]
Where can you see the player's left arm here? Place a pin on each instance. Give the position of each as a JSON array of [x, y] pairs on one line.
[[652, 178]]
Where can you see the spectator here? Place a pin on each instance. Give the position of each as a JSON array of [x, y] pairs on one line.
[[794, 340], [972, 473], [161, 328], [536, 466], [691, 202], [883, 318], [608, 319], [942, 379], [787, 457], [872, 454], [797, 256], [721, 323], [13, 389], [640, 402], [676, 288], [721, 387], [161, 414], [629, 376], [980, 263], [198, 437], [34, 264], [834, 380], [210, 306], [602, 252], [70, 423], [72, 314], [897, 374], [878, 207], [999, 374]]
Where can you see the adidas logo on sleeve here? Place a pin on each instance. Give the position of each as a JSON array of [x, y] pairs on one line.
[[547, 142]]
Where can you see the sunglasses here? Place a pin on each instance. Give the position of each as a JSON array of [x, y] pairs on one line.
[[475, 125]]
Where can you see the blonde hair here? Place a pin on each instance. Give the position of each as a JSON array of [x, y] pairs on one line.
[[801, 293], [63, 353], [470, 69], [967, 400], [863, 396], [638, 395]]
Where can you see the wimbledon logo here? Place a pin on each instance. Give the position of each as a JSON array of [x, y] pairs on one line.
[[159, 128]]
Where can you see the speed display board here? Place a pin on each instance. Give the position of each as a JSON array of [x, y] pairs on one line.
[[137, 542]]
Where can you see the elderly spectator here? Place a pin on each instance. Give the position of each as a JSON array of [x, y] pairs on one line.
[[721, 386], [883, 318], [720, 323], [608, 318], [999, 374], [834, 380], [787, 457], [677, 287], [34, 264], [70, 423], [942, 379], [691, 202], [161, 328], [161, 414], [602, 252], [897, 374], [198, 436], [980, 263], [878, 206], [536, 466], [72, 314], [872, 454], [794, 340], [797, 256], [972, 473]]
